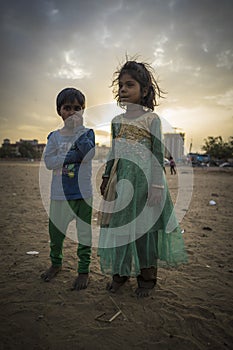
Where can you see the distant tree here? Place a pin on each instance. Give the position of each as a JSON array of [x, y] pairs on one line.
[[26, 150], [217, 148], [5, 152]]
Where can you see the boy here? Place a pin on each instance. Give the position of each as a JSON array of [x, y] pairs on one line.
[[69, 152]]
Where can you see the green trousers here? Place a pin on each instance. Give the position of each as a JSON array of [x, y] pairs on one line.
[[61, 214]]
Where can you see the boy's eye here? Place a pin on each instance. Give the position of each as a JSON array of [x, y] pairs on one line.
[[77, 108], [68, 108]]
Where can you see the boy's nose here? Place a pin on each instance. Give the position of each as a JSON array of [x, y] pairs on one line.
[[72, 110]]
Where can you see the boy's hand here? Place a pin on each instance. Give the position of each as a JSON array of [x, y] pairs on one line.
[[77, 119], [155, 196]]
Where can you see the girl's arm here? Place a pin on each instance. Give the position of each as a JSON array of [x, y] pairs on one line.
[[156, 191], [111, 155], [158, 153], [109, 164]]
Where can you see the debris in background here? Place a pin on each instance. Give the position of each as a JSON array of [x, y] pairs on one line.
[[207, 228], [32, 252]]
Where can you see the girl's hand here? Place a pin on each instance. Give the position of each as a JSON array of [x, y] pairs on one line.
[[103, 185], [155, 196]]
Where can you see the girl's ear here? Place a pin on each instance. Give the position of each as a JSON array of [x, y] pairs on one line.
[[145, 92]]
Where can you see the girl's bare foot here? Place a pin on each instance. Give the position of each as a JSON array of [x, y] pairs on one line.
[[144, 287], [146, 282], [49, 274], [117, 282]]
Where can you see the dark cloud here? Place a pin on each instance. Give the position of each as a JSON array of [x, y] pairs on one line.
[[47, 45]]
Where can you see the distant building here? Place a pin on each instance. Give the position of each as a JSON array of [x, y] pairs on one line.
[[9, 149], [174, 145], [101, 152]]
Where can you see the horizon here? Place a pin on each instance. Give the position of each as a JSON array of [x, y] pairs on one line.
[[108, 144]]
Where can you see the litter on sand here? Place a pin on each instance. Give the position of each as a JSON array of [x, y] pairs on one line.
[[106, 317], [32, 252], [207, 228], [212, 202], [99, 318]]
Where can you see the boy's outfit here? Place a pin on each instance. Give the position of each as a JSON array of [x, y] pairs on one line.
[[70, 158]]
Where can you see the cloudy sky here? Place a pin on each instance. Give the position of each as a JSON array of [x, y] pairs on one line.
[[49, 45]]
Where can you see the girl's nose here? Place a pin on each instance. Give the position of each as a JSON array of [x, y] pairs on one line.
[[122, 88]]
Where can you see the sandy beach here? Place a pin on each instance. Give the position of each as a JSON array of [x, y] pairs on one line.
[[190, 308]]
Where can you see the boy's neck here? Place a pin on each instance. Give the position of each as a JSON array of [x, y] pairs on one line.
[[66, 131]]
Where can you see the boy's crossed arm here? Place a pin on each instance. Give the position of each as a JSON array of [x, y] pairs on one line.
[[83, 149]]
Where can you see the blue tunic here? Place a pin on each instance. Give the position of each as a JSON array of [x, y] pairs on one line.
[[70, 159]]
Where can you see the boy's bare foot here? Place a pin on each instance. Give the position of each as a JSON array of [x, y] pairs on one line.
[[49, 274], [81, 282], [117, 282]]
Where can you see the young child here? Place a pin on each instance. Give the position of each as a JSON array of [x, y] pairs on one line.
[[172, 166], [139, 229], [68, 153]]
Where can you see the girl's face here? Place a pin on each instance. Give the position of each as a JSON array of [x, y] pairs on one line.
[[129, 90]]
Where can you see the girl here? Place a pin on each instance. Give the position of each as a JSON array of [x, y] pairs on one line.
[[138, 224]]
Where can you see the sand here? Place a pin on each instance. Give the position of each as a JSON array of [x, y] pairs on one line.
[[190, 308]]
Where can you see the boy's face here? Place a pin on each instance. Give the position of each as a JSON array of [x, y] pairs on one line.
[[72, 113]]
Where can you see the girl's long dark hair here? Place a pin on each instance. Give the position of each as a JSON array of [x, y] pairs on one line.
[[143, 74]]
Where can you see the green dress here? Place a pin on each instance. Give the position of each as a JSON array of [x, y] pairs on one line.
[[134, 235]]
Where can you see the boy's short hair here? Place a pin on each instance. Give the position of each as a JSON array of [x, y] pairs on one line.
[[69, 95]]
